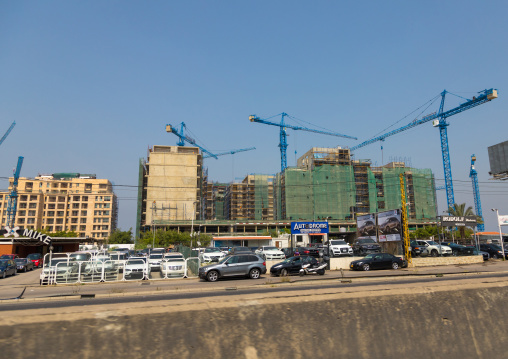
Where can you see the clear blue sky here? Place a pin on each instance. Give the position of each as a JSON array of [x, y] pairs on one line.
[[91, 85]]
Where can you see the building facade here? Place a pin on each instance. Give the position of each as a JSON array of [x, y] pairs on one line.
[[70, 202]]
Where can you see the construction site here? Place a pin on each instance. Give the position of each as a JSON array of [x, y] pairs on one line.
[[329, 184]]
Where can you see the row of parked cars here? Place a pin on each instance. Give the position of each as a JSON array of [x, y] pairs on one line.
[[11, 264]]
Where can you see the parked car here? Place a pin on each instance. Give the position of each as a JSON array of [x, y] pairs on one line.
[[290, 252], [136, 268], [36, 258], [476, 252], [293, 265], [391, 226], [270, 253], [434, 249], [493, 250], [308, 251], [211, 254], [378, 261], [7, 267], [9, 256], [363, 246], [240, 250], [338, 248], [458, 249], [417, 249], [173, 265], [249, 265], [154, 261], [24, 264]]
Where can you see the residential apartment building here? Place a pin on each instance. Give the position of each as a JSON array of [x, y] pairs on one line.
[[64, 202]]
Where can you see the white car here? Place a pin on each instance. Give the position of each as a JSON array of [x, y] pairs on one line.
[[211, 255], [173, 265], [154, 261], [434, 249], [270, 253], [136, 268], [338, 248]]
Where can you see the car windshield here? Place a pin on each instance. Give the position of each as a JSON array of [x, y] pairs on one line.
[[366, 240], [338, 243], [156, 256], [34, 256], [3, 261], [212, 250], [369, 256], [224, 259], [432, 243], [178, 259], [270, 249], [54, 262], [20, 260]]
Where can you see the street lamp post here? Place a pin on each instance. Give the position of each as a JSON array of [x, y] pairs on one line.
[[500, 234]]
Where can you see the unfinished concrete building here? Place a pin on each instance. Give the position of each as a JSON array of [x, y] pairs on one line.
[[252, 199], [170, 186]]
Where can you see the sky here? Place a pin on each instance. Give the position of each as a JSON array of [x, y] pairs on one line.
[[91, 85]]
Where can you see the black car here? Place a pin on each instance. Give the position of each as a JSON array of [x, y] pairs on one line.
[[7, 267], [309, 251], [293, 265], [493, 250], [458, 249], [416, 249], [24, 264], [477, 252], [378, 261], [363, 246]]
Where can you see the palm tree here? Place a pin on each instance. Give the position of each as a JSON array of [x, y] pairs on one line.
[[460, 210]]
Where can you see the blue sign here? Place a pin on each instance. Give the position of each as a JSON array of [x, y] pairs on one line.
[[309, 227]]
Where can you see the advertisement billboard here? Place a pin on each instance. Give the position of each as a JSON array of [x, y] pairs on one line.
[[453, 221], [389, 225], [366, 226], [309, 227]]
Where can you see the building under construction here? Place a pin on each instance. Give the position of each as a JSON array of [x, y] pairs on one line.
[[328, 184]]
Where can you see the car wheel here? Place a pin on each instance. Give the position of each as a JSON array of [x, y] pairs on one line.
[[395, 265], [212, 276], [254, 273], [366, 267], [283, 272], [433, 253], [321, 272], [495, 256]]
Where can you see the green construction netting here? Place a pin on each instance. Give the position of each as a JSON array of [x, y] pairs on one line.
[[424, 194], [262, 199]]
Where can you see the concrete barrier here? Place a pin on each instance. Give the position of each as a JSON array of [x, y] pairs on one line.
[[460, 324]]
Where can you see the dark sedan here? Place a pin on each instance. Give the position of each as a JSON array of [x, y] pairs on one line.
[[458, 249], [309, 251], [24, 264], [292, 265], [416, 249], [378, 261], [493, 250], [7, 267]]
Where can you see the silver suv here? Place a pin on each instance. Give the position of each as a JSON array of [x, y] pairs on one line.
[[249, 265]]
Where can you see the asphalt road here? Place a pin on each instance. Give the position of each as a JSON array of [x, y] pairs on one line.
[[24, 291]]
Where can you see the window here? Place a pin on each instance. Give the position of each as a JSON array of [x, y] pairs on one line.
[[84, 198], [59, 221], [33, 198], [83, 220], [50, 221], [31, 213], [22, 213], [51, 213], [82, 228], [32, 205], [30, 221], [75, 213], [107, 198], [60, 213], [61, 206], [83, 213]]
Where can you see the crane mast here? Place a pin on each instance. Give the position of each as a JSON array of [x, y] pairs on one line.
[[476, 193], [13, 196]]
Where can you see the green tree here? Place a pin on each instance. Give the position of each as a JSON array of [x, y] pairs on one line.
[[69, 234], [166, 239], [120, 237]]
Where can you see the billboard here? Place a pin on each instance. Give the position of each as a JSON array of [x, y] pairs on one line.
[[498, 158], [389, 225], [453, 221], [309, 227], [366, 226]]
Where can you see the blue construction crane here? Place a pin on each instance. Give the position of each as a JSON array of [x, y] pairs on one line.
[[13, 196], [232, 152], [7, 133], [283, 135], [439, 120], [476, 193], [184, 138]]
